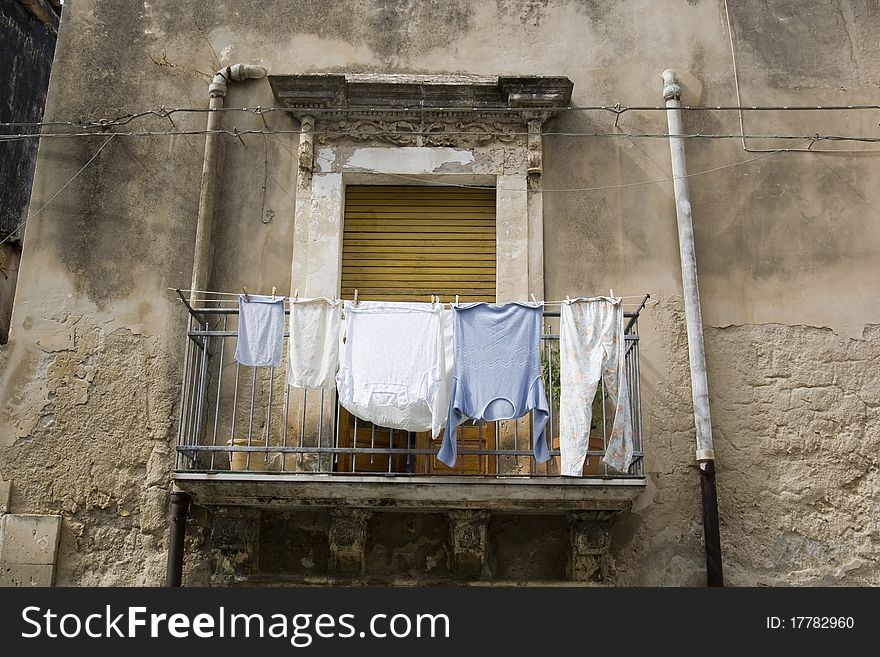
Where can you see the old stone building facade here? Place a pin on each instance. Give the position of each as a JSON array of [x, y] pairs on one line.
[[27, 44], [368, 104]]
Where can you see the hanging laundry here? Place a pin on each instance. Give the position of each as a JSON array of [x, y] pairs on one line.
[[260, 330], [592, 347], [313, 348], [392, 368], [497, 372]]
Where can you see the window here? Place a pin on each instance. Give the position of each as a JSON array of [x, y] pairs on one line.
[[405, 243]]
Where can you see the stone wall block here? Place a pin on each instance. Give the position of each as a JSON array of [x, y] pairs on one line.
[[29, 539], [26, 574]]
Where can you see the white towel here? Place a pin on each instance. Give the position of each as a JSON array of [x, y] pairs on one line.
[[313, 349], [392, 368], [260, 330]]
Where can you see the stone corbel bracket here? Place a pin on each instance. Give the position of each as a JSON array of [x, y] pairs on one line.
[[468, 531], [348, 541], [590, 544]]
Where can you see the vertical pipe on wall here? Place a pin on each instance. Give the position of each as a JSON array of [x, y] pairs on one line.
[[694, 320], [203, 250], [205, 220], [179, 509]]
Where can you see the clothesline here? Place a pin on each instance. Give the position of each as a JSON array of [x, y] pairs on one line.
[[295, 296], [389, 366]]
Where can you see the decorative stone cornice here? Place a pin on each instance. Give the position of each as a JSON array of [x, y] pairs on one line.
[[422, 110], [417, 132]]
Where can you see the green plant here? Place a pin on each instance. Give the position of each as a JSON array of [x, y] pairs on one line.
[[550, 372]]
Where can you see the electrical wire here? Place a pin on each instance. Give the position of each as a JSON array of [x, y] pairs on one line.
[[234, 132], [616, 109], [740, 108], [643, 298], [435, 183], [236, 294], [239, 134]]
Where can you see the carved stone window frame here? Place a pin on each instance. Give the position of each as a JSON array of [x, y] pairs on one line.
[[420, 130]]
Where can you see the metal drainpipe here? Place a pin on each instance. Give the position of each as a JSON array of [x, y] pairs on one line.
[[204, 224], [201, 272], [694, 320], [179, 509]]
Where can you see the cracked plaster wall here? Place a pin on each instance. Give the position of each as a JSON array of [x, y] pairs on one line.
[[787, 247]]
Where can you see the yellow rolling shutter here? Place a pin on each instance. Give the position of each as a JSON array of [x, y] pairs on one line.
[[404, 243]]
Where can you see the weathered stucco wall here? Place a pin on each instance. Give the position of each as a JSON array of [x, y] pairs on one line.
[[786, 245]]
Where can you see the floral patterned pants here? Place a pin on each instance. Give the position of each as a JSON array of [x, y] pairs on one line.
[[592, 347]]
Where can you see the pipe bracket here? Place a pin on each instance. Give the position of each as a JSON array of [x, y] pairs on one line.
[[705, 455]]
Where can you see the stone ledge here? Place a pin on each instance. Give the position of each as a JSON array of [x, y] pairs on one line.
[[514, 494], [456, 92]]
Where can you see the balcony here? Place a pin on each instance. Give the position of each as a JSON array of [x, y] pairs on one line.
[[247, 439]]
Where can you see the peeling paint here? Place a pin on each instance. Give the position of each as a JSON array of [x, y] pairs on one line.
[[412, 160]]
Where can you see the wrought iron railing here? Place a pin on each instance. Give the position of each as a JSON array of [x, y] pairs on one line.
[[247, 419]]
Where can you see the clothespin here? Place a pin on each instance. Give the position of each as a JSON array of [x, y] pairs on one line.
[[456, 299], [296, 294], [246, 297], [273, 292], [433, 301], [567, 299], [355, 297], [611, 292], [534, 300]]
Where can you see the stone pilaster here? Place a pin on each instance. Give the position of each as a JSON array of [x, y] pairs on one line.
[[306, 151]]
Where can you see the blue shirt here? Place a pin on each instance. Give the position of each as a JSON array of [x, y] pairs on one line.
[[497, 372]]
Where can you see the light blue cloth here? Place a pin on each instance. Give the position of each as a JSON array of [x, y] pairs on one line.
[[260, 331], [497, 372]]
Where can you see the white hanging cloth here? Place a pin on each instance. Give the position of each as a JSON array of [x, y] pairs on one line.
[[313, 347], [392, 369], [260, 330]]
